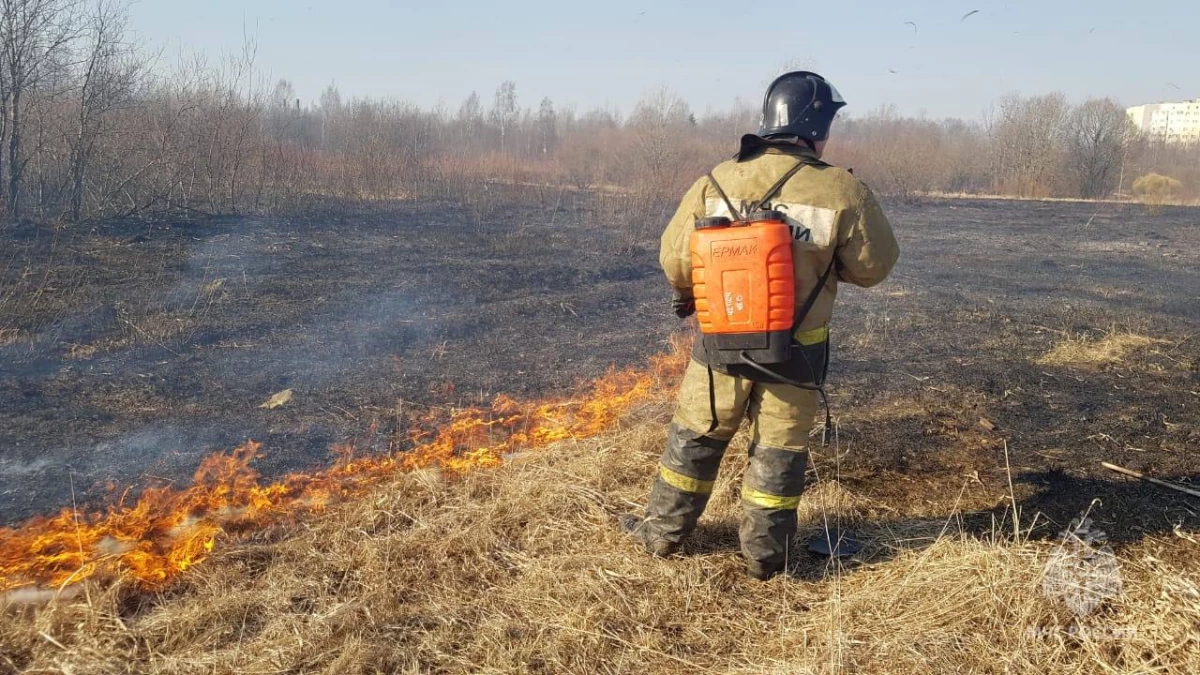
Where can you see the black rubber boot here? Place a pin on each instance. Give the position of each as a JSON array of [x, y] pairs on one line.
[[671, 515], [630, 523], [766, 536], [760, 572], [687, 471], [771, 491], [633, 525]]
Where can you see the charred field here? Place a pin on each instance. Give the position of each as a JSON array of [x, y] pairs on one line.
[[130, 349]]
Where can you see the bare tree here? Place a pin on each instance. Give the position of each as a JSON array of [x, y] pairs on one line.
[[112, 70], [1097, 132], [283, 94], [330, 105], [504, 109], [895, 152], [470, 112], [1027, 144], [469, 125], [659, 124], [283, 110], [547, 126], [34, 36]]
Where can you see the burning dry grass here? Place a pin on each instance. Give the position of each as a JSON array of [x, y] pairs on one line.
[[165, 531], [520, 569], [1083, 350]]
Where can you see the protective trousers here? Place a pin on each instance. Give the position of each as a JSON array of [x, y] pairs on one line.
[[781, 417]]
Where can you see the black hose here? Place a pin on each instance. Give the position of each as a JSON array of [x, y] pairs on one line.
[[820, 389]]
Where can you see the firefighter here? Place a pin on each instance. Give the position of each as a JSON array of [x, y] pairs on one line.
[[840, 234]]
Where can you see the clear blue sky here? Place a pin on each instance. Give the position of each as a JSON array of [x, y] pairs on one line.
[[612, 52]]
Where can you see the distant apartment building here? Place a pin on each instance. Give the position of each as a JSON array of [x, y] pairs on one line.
[[1170, 122]]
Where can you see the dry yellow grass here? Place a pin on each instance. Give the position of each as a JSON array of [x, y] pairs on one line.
[[9, 336], [81, 351], [521, 569], [1082, 350]]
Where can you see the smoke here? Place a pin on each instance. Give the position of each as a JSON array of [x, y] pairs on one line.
[[189, 327], [24, 597], [317, 331], [78, 474], [346, 339], [11, 468]]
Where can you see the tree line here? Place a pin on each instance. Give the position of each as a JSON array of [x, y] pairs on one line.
[[92, 126]]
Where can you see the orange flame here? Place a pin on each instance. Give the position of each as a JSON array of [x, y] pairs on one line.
[[168, 530]]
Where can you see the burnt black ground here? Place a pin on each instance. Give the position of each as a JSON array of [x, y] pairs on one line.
[[985, 289], [369, 313], [131, 350]]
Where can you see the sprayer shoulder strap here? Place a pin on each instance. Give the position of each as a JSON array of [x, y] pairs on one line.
[[816, 291], [812, 297], [733, 210], [735, 213], [779, 185]]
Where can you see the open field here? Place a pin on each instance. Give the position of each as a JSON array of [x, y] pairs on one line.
[[1066, 332], [132, 350]]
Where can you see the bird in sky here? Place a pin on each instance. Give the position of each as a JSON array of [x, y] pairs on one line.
[[969, 14], [1172, 84], [893, 72], [911, 23]]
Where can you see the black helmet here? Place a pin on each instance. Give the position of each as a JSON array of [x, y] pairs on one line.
[[800, 104]]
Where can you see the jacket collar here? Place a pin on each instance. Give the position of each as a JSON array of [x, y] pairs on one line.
[[752, 146]]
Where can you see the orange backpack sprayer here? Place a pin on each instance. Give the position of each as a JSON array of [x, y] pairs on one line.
[[745, 288], [743, 280]]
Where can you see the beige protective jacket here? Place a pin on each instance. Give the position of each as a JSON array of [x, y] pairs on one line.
[[831, 213]]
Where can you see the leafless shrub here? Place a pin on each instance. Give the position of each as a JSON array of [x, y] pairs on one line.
[[582, 158], [90, 128], [896, 154]]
